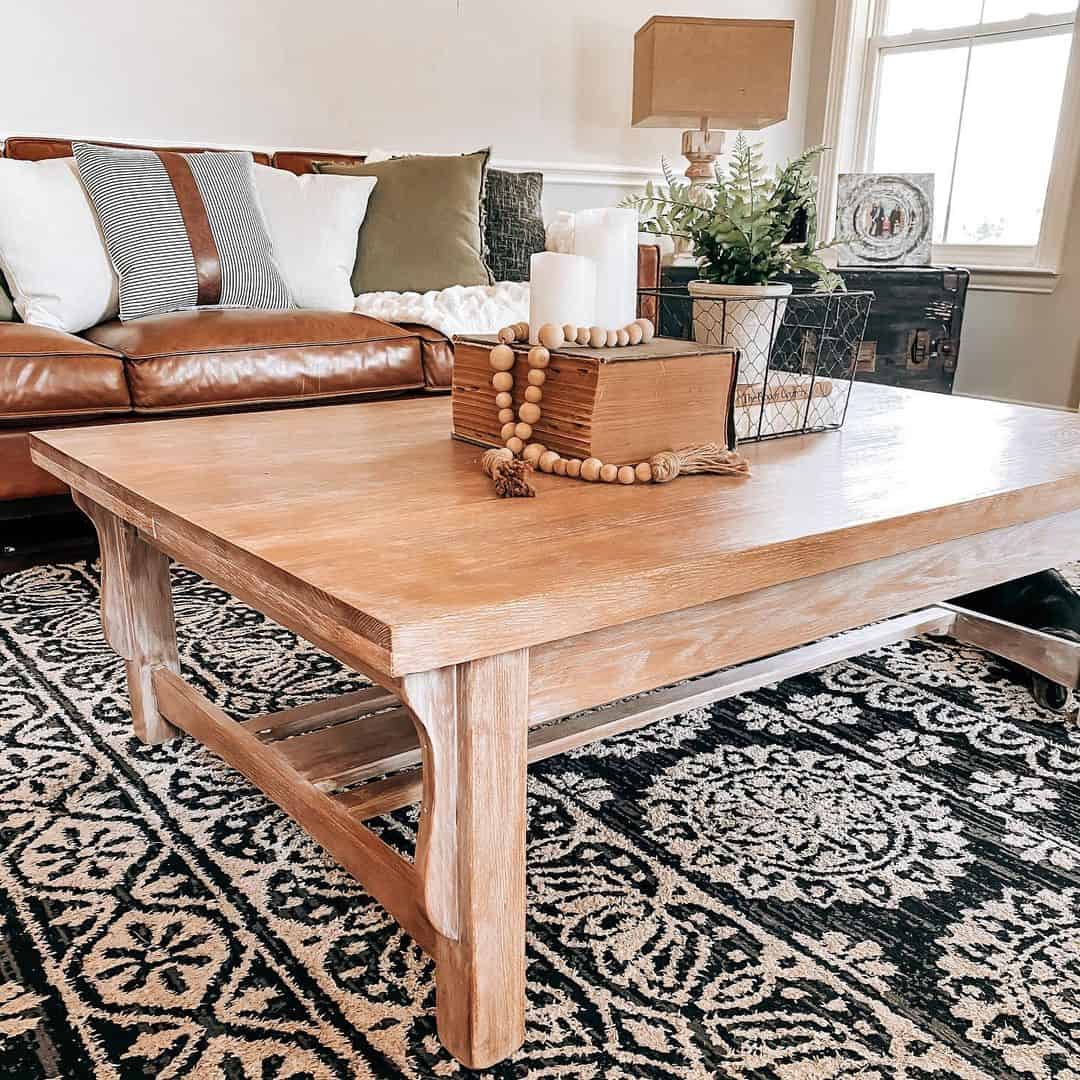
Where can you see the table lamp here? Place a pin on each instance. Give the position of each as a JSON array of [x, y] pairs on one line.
[[730, 74]]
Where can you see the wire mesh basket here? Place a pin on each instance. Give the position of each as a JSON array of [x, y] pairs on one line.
[[797, 353]]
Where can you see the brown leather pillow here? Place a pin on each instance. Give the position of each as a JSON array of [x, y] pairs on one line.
[[424, 223]]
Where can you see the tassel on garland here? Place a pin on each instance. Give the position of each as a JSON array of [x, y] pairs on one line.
[[704, 458], [509, 474]]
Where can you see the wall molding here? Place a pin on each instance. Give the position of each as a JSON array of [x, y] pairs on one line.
[[577, 173], [599, 174], [1013, 279]]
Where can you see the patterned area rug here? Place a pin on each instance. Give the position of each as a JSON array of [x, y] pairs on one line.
[[872, 871]]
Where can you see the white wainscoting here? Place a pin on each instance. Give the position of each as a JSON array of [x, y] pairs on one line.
[[572, 186]]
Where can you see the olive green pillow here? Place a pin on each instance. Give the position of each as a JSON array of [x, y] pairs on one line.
[[424, 226]]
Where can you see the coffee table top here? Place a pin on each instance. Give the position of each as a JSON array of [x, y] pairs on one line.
[[371, 515]]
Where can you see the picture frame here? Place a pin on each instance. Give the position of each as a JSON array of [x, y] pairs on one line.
[[885, 219]]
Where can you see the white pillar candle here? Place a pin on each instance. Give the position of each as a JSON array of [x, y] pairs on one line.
[[609, 238], [562, 289]]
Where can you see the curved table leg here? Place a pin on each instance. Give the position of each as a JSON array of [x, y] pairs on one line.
[[136, 612], [473, 725]]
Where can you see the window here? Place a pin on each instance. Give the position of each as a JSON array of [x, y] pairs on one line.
[[981, 94]]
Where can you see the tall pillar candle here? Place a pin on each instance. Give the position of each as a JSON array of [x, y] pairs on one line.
[[609, 238], [562, 289]]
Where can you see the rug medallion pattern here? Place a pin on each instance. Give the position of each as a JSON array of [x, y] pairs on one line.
[[871, 871]]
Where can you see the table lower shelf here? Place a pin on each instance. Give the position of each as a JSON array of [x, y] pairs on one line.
[[362, 749]]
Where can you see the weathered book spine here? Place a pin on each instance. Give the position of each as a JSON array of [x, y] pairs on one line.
[[568, 404]]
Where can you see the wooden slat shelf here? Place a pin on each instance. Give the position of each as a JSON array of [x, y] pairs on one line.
[[369, 736], [371, 745], [320, 714]]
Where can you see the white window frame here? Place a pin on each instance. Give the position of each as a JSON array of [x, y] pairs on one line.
[[850, 108]]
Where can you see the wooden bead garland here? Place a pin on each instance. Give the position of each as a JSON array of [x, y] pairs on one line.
[[509, 473]]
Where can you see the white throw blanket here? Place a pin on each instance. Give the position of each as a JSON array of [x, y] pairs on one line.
[[462, 309]]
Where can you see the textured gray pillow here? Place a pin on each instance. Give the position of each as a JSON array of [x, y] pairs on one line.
[[514, 222]]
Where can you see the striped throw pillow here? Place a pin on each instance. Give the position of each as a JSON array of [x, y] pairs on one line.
[[182, 230]]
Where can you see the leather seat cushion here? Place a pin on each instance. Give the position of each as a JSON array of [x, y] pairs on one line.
[[437, 353], [47, 374], [209, 359]]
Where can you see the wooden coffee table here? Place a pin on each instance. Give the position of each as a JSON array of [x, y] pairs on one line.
[[369, 532]]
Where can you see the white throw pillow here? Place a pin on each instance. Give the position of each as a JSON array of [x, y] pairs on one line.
[[314, 221], [51, 248]]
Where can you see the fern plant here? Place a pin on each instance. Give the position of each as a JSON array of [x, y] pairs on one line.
[[739, 224]]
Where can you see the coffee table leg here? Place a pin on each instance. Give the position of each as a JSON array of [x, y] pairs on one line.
[[136, 612], [473, 724]]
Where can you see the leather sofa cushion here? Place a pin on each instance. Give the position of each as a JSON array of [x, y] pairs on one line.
[[207, 359], [437, 353], [47, 374]]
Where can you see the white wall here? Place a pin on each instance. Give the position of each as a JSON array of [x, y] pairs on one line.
[[1026, 347], [543, 81]]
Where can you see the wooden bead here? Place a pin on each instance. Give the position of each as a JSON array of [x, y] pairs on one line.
[[521, 329], [597, 336], [590, 469], [534, 394], [515, 444], [648, 331], [643, 472], [559, 467], [529, 413], [634, 334], [573, 467], [507, 431], [626, 474], [502, 358], [503, 380], [523, 431], [569, 333], [583, 335], [609, 473], [503, 400], [539, 357], [506, 416], [551, 336], [507, 335], [612, 339], [536, 377], [533, 451], [547, 461], [622, 338]]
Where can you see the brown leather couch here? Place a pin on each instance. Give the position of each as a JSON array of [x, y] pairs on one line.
[[201, 361], [196, 361]]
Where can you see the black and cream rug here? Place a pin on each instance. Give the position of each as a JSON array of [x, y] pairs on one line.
[[872, 871]]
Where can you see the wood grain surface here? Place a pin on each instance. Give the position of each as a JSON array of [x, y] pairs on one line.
[[377, 535]]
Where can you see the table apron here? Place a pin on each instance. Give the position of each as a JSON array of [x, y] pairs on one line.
[[591, 669]]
